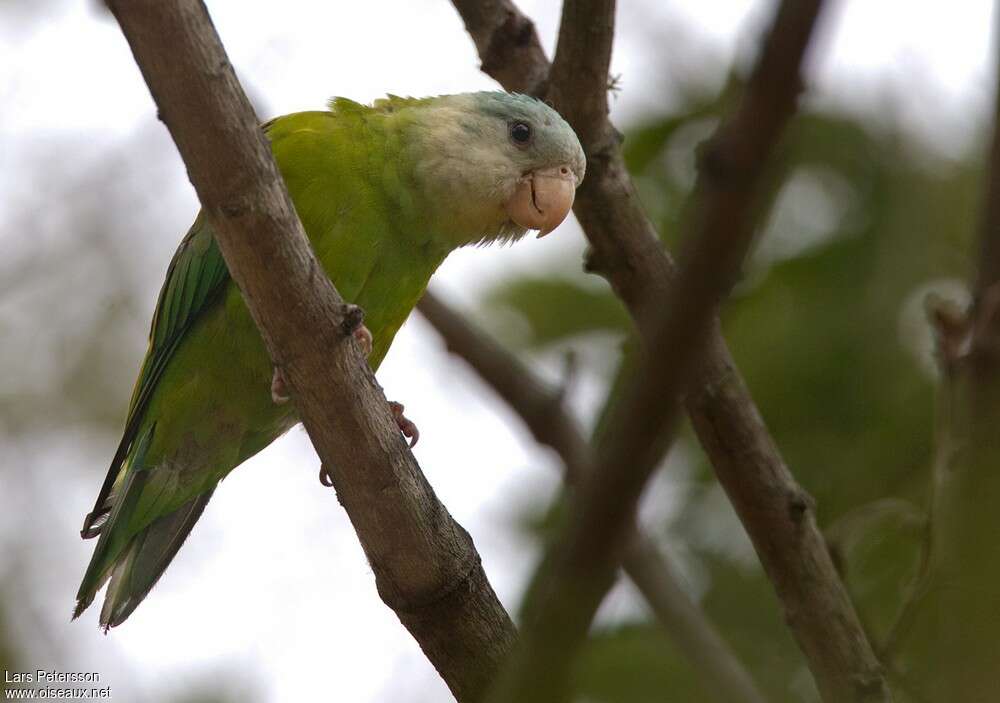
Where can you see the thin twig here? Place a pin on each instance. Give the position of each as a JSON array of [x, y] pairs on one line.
[[988, 270], [774, 509], [544, 413], [540, 406], [426, 567]]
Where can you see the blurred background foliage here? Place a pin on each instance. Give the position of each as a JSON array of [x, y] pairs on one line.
[[860, 222]]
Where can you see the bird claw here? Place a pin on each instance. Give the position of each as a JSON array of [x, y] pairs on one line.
[[325, 476], [405, 425], [354, 325], [364, 338], [279, 388]]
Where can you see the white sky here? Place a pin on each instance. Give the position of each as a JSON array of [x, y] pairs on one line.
[[272, 586]]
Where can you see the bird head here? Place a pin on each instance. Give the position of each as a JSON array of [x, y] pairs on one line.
[[545, 152], [503, 163]]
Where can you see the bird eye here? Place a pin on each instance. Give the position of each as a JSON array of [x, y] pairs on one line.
[[520, 133]]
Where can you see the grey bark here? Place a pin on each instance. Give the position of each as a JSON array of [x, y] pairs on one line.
[[425, 565], [776, 512]]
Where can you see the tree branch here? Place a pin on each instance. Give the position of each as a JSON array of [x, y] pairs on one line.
[[538, 405], [507, 43], [578, 79], [543, 412], [775, 510], [721, 670], [579, 569], [426, 567], [964, 562], [989, 236]]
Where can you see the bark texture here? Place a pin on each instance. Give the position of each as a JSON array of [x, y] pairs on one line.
[[426, 566], [776, 512]]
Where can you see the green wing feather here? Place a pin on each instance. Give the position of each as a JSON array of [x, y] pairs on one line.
[[368, 233], [196, 276]]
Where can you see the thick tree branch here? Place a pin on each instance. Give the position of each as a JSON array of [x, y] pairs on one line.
[[426, 567], [578, 79], [775, 510], [507, 43], [544, 413]]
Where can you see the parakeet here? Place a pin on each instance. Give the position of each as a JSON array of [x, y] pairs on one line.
[[385, 192]]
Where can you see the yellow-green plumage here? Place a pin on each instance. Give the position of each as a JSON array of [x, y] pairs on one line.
[[384, 193]]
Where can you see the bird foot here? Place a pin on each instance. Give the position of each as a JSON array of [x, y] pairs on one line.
[[279, 388], [354, 325], [357, 329], [364, 337], [405, 425]]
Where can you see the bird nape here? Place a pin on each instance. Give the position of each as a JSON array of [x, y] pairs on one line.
[[385, 192]]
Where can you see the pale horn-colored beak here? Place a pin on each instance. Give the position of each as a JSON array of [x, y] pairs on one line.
[[543, 199]]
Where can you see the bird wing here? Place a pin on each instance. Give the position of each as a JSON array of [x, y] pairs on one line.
[[195, 278]]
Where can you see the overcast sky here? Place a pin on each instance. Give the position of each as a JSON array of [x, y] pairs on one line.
[[272, 585]]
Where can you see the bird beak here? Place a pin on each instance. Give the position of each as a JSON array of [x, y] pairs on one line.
[[542, 199]]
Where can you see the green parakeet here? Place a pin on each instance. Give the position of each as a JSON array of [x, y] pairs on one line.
[[385, 193]]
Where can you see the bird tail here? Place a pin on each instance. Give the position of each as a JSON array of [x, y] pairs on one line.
[[133, 561], [139, 566], [146, 558]]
